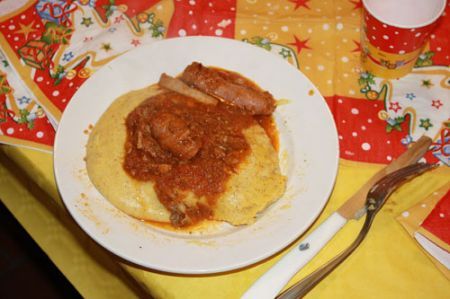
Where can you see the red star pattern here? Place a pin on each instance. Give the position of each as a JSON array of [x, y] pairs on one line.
[[437, 104], [358, 46], [135, 42], [300, 44], [394, 106], [357, 3], [300, 3]]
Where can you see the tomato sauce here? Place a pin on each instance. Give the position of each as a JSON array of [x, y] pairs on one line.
[[223, 146], [217, 131]]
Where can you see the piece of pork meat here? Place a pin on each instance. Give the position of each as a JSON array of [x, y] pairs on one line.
[[231, 89], [173, 134]]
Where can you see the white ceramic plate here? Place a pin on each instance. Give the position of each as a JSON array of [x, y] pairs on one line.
[[308, 155]]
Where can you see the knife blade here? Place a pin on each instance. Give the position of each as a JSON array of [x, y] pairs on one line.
[[273, 281]]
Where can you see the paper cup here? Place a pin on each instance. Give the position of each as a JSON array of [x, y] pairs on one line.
[[394, 33]]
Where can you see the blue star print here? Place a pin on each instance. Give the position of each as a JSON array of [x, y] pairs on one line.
[[24, 100], [67, 56], [410, 96]]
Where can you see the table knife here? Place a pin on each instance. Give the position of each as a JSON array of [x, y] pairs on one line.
[[273, 281]]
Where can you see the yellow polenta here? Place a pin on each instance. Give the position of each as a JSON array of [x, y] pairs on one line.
[[249, 191]]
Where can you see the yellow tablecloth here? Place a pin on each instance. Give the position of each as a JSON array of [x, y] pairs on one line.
[[321, 38], [389, 264]]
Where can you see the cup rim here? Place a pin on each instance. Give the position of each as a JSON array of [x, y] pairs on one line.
[[441, 10]]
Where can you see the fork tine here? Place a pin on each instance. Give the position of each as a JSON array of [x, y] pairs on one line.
[[391, 181], [401, 173]]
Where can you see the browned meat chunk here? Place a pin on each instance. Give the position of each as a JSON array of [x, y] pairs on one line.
[[230, 88], [173, 134], [180, 87]]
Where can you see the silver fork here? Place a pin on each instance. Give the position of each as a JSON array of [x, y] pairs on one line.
[[375, 199]]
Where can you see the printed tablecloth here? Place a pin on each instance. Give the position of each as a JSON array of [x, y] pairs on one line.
[[48, 48]]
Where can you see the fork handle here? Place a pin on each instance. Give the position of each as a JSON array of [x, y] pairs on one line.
[[300, 289], [273, 281]]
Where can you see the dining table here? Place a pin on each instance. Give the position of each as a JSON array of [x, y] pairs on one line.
[[50, 48]]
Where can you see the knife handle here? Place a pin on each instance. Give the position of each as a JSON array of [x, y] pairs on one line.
[[273, 281]]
